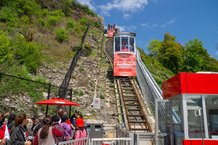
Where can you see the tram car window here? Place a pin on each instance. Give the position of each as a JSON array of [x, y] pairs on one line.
[[124, 44], [117, 44], [131, 45]]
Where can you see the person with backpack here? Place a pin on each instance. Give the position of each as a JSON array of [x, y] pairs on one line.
[[56, 125], [66, 127], [46, 135], [4, 134]]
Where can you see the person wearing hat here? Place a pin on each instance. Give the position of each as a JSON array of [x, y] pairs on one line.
[[37, 124], [73, 120], [80, 132]]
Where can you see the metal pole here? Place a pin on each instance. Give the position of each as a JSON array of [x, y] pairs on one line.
[[156, 122], [71, 94], [171, 124], [49, 89]]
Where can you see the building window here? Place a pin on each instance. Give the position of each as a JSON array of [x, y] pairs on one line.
[[195, 117], [211, 102]]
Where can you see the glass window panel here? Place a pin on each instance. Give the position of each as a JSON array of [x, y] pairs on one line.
[[211, 102], [124, 44], [131, 46], [117, 44], [195, 117]]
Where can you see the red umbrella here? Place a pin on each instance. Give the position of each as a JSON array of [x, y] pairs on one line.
[[57, 101]]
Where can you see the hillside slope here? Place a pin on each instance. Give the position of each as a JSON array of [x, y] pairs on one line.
[[43, 39], [158, 71]]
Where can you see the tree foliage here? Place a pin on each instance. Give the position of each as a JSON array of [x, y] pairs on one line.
[[27, 53], [194, 55], [191, 58], [5, 47], [168, 52], [154, 48]]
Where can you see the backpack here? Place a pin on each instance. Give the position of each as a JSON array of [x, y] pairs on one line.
[[63, 137]]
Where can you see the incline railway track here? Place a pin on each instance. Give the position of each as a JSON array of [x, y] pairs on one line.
[[131, 104]]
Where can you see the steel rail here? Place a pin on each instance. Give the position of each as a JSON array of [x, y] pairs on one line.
[[132, 105]]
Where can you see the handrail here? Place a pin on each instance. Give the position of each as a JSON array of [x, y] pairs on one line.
[[152, 85]]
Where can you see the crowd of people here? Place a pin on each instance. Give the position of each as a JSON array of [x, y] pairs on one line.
[[49, 131]]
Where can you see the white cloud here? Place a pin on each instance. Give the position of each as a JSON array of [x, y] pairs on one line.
[[87, 2], [217, 53], [123, 6], [145, 25], [122, 28], [149, 26], [154, 25], [126, 16], [130, 28], [168, 23]]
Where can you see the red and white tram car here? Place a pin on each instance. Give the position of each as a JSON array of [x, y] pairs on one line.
[[124, 54], [111, 30]]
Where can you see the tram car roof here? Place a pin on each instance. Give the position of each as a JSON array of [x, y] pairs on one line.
[[125, 33]]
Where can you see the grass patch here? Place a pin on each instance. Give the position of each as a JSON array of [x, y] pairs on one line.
[[80, 93], [102, 96]]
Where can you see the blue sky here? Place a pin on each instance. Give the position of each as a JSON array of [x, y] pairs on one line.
[[151, 19]]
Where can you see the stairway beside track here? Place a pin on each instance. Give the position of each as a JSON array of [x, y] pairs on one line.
[[136, 118]]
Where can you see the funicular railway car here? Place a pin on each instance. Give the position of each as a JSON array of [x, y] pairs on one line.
[[111, 30], [124, 50]]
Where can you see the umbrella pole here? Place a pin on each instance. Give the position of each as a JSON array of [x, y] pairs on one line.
[[49, 88], [71, 94]]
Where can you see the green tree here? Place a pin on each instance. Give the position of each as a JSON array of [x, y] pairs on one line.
[[211, 64], [154, 48], [194, 56], [171, 53]]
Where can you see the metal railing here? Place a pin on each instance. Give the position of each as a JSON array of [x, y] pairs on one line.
[[65, 83], [111, 141], [150, 88], [144, 138], [83, 141]]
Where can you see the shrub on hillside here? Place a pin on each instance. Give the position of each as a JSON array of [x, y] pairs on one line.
[[91, 22], [88, 11], [96, 24], [78, 29], [5, 47], [27, 7], [42, 23], [44, 12], [54, 17], [27, 53], [84, 21], [66, 7], [57, 13], [70, 25], [53, 20], [8, 14], [61, 35], [23, 7]]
